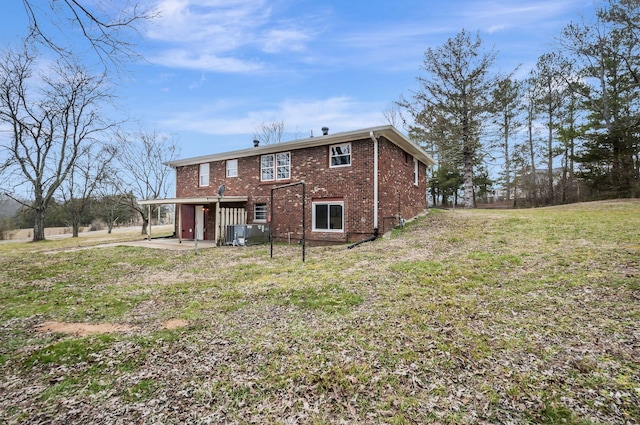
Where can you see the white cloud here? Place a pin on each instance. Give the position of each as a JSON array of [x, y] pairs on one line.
[[493, 16], [391, 47], [496, 28], [180, 58], [199, 83], [278, 40], [217, 35], [299, 116], [217, 22], [337, 113]]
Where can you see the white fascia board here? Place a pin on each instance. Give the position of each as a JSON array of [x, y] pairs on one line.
[[196, 200], [387, 131]]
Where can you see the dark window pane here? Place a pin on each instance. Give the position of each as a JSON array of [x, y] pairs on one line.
[[260, 212], [335, 217], [322, 217]]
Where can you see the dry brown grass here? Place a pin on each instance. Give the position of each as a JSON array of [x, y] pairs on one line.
[[526, 316]]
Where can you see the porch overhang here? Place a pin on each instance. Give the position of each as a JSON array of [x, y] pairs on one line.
[[199, 200]]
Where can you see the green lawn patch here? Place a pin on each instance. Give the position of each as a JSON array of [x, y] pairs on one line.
[[481, 316]]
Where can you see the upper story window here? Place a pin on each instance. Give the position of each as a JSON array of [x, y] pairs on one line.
[[203, 179], [275, 166], [232, 168], [340, 155]]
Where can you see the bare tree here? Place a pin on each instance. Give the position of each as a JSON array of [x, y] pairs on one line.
[[269, 132], [112, 203], [393, 116], [110, 32], [87, 174], [142, 157], [51, 119]]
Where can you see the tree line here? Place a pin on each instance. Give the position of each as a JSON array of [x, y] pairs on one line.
[[64, 160], [63, 157], [565, 133]]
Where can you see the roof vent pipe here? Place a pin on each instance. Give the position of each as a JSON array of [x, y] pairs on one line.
[[325, 131], [256, 143]]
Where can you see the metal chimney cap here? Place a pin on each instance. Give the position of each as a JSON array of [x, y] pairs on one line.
[[325, 131], [256, 143]]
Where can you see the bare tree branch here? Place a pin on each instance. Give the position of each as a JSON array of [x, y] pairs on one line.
[[269, 132], [112, 38]]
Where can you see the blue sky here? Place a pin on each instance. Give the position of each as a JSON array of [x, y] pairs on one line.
[[217, 69]]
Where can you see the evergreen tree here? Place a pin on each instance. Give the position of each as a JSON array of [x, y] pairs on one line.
[[454, 102], [508, 108], [606, 54]]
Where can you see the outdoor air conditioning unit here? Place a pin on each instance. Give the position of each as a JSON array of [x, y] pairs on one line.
[[247, 234]]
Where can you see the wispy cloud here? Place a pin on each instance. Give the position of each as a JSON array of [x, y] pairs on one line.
[[248, 36], [222, 35], [395, 46], [277, 40], [217, 22], [399, 45], [339, 113], [181, 58], [493, 16]]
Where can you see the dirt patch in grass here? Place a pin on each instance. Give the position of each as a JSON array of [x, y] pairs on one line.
[[83, 329], [174, 324]]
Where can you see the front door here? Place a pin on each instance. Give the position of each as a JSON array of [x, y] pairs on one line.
[[194, 222], [199, 224], [187, 221]]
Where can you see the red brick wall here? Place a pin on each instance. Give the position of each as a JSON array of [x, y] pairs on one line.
[[399, 197], [353, 185]]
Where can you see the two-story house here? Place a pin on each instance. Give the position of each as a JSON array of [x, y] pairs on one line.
[[356, 184]]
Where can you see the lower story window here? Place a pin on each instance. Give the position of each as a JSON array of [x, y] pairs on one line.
[[328, 216], [260, 212]]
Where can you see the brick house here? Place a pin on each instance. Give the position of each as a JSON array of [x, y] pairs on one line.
[[356, 184]]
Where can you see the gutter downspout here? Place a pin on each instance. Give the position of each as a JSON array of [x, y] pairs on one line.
[[375, 182], [375, 194]]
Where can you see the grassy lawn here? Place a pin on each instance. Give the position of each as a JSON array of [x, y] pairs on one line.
[[461, 317]]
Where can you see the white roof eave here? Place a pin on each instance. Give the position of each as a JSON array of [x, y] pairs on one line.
[[199, 200], [389, 132]]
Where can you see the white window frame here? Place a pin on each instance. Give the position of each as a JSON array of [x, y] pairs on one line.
[[332, 155], [203, 175], [279, 166], [416, 167], [329, 204], [283, 165], [232, 168], [262, 210], [269, 167]]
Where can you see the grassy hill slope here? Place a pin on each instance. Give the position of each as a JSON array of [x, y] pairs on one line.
[[525, 316]]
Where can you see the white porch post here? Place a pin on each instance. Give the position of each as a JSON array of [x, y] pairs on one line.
[[179, 229], [217, 229]]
